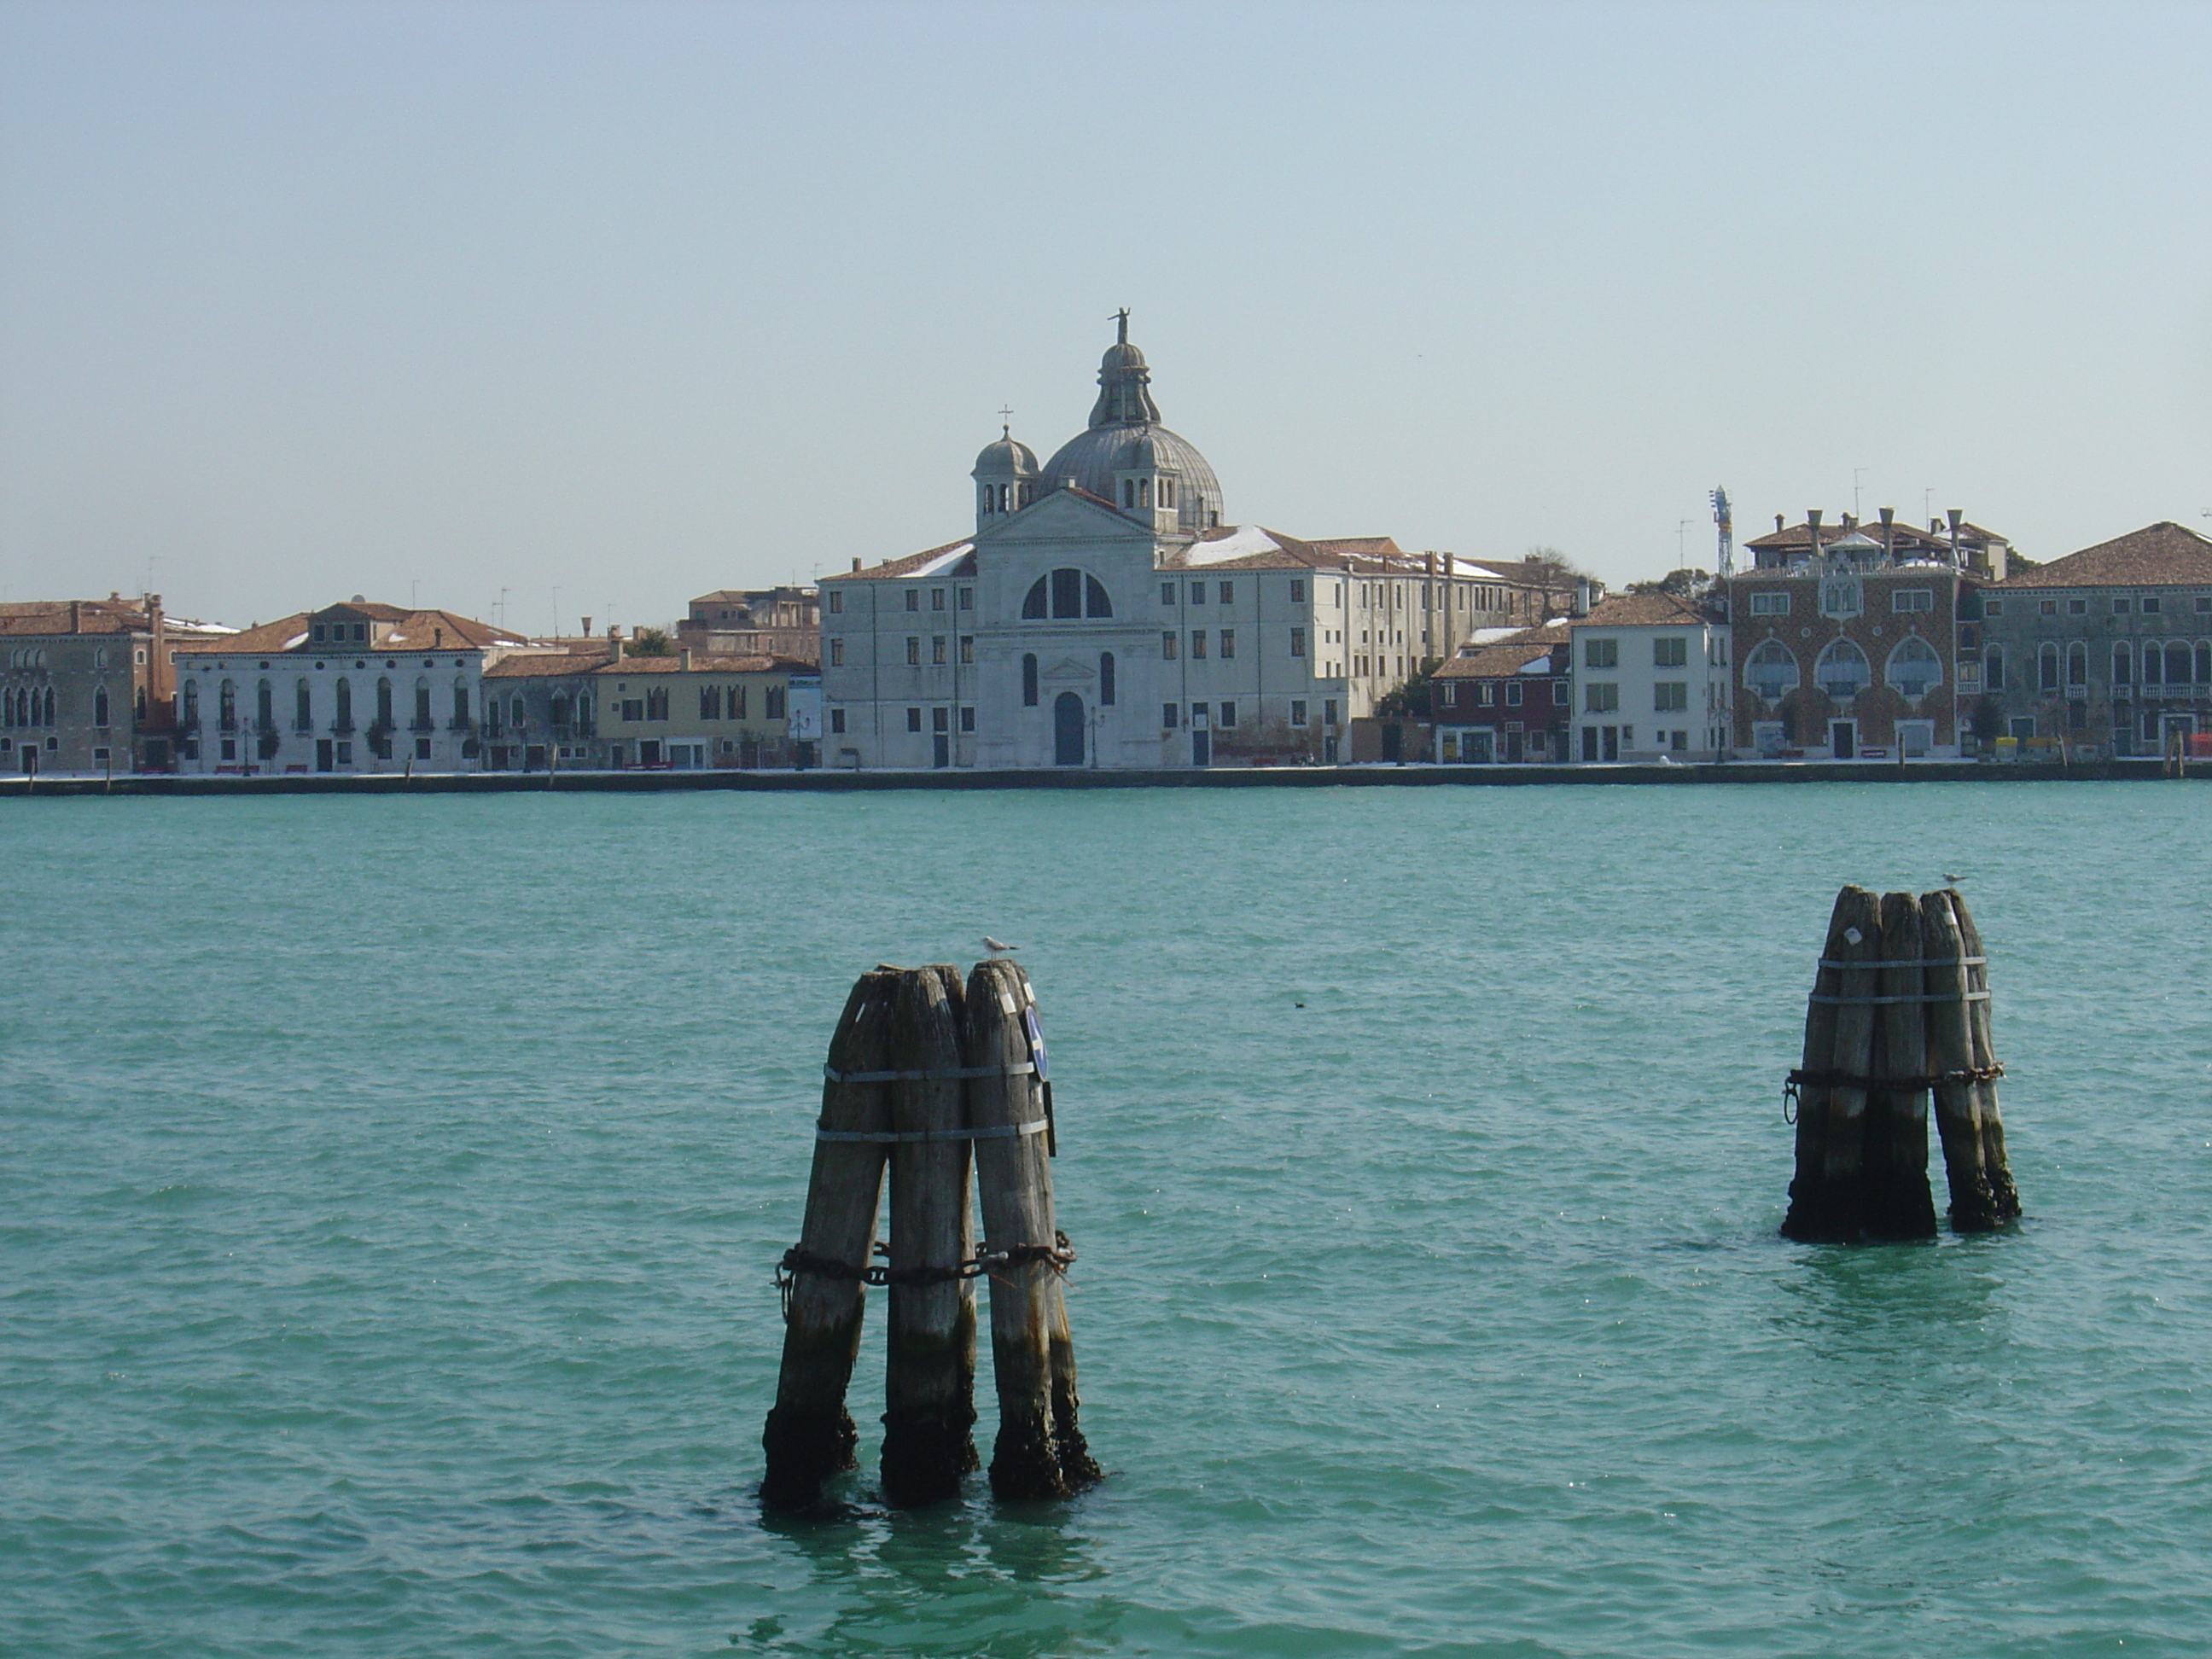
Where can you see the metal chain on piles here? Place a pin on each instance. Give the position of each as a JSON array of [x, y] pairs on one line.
[[1893, 1086], [1059, 1255]]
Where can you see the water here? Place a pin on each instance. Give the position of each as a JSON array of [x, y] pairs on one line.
[[391, 1187]]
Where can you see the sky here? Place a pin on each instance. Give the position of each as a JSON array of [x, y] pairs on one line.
[[539, 310]]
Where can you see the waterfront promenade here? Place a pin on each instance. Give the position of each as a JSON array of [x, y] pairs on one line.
[[1413, 776]]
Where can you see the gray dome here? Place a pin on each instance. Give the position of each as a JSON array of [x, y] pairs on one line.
[[1093, 459], [1009, 457], [1126, 436]]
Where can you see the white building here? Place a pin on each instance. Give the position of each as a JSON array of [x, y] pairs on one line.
[[1103, 615], [1651, 680], [352, 688]]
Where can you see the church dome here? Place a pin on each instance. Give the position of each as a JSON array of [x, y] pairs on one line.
[[1124, 435], [1008, 457]]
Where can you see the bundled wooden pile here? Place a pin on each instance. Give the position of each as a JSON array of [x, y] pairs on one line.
[[923, 1074], [1901, 1011]]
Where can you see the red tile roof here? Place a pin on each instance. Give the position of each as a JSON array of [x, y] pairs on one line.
[[1643, 611], [2162, 555]]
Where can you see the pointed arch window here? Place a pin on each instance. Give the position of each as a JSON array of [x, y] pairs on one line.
[[265, 707], [100, 706], [460, 703], [1913, 668], [2077, 667], [226, 706], [1842, 669], [303, 706], [343, 718], [384, 702], [1771, 671]]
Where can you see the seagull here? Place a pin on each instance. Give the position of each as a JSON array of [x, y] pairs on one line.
[[999, 947], [1953, 880]]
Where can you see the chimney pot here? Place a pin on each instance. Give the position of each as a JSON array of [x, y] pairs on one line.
[[684, 659], [856, 564]]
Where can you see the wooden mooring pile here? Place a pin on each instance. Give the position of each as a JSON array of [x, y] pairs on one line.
[[1900, 1012], [933, 1079]]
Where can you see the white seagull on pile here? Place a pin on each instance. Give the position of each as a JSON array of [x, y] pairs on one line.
[[999, 947]]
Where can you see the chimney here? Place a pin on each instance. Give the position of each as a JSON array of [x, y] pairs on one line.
[[856, 567], [437, 639], [684, 659], [76, 616], [1780, 523], [1954, 516], [1889, 534], [614, 641], [1581, 599], [1812, 525], [587, 629]]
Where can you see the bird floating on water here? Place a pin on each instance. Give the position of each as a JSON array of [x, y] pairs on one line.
[[1953, 880], [999, 947]]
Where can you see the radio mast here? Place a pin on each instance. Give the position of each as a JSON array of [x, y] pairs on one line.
[[1727, 534]]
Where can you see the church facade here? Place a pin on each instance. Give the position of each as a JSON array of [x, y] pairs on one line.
[[1103, 615]]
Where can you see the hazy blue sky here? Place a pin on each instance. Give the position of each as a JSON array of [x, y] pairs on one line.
[[637, 300]]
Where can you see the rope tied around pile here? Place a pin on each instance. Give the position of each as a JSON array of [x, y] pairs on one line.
[[1059, 1255], [1797, 1080]]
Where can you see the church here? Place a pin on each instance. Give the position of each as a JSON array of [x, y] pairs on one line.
[[1104, 614]]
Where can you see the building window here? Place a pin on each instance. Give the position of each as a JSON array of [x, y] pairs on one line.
[[914, 650], [1298, 596], [737, 705], [774, 700], [914, 599], [1771, 671], [2121, 607], [837, 653], [2150, 604], [1486, 695], [1993, 668], [1670, 651], [1328, 711], [2122, 668], [2077, 667], [940, 720], [461, 706], [100, 706], [1841, 595], [1168, 647], [1913, 668], [2047, 667], [1905, 600], [1297, 711], [1229, 593], [710, 703], [937, 598], [938, 647], [1198, 592], [2048, 607], [1601, 697], [1297, 641], [303, 706], [967, 647], [1600, 653], [656, 703], [2078, 607], [837, 722], [1770, 605], [967, 598], [1166, 592], [1197, 644], [1670, 696], [1228, 643], [1993, 607], [913, 719], [2204, 605], [1029, 679], [1842, 669], [1106, 679], [1228, 713], [1167, 715], [835, 601], [1068, 593]]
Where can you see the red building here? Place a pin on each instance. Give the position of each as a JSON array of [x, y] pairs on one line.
[[1505, 702]]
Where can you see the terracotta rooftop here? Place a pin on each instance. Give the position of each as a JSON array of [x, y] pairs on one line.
[[2162, 555], [412, 631], [1643, 610], [1504, 658], [703, 664], [43, 616], [905, 567]]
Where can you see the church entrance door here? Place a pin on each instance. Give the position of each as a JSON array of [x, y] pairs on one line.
[[1067, 730]]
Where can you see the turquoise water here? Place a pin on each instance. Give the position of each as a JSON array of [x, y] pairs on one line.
[[391, 1189]]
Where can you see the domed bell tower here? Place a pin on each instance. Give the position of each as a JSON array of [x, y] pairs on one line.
[[1006, 475]]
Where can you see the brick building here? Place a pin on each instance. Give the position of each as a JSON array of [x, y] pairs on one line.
[[86, 686], [1869, 648], [1505, 702]]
